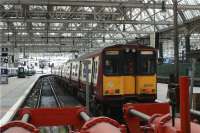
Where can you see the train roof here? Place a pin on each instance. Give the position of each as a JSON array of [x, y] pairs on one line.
[[100, 50], [135, 46]]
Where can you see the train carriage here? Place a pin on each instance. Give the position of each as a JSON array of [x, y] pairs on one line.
[[21, 72], [116, 74]]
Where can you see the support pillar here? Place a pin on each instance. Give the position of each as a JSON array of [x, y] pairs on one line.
[[187, 47], [184, 105], [176, 40], [161, 50]]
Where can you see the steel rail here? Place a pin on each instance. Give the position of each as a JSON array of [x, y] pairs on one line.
[[40, 95], [58, 102]]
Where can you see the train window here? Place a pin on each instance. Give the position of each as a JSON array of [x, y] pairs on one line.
[[21, 69], [76, 69], [147, 64], [96, 66], [95, 70], [111, 63], [129, 65], [80, 70]]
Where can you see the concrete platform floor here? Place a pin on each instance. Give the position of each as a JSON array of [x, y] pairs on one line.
[[10, 93], [162, 91]]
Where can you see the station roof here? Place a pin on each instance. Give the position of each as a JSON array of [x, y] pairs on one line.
[[77, 25]]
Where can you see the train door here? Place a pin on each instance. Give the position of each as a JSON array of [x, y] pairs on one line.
[[129, 71]]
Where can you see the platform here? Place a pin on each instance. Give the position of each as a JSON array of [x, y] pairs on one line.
[[13, 93], [162, 91]]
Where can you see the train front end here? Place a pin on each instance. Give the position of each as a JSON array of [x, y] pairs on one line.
[[129, 74]]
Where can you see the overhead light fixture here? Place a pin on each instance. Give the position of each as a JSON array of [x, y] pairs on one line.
[[37, 33], [8, 33]]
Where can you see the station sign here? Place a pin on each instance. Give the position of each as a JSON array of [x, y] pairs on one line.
[[4, 52]]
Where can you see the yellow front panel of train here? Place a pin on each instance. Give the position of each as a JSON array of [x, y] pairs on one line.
[[118, 85], [129, 84], [146, 84]]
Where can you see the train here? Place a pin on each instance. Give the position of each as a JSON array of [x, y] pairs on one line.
[[11, 71], [115, 75], [18, 71], [21, 72]]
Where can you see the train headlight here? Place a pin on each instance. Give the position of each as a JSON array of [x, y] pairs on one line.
[[133, 50], [127, 50]]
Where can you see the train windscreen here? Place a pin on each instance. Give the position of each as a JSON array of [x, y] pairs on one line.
[[120, 62], [129, 62], [21, 69], [146, 63], [112, 63]]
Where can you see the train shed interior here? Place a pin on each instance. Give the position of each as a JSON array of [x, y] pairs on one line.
[[102, 55]]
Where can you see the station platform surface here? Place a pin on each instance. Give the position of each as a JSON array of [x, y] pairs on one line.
[[14, 92], [162, 89]]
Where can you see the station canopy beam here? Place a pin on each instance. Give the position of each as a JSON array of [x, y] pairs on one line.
[[84, 3], [83, 23]]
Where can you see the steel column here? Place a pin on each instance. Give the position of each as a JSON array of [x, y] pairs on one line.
[[161, 50], [184, 104], [187, 47], [176, 47], [192, 80]]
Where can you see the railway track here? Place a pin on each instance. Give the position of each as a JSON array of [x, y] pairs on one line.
[[47, 97], [48, 94]]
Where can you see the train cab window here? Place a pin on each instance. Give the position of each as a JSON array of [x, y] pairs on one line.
[[147, 63], [109, 67], [129, 65], [111, 63], [21, 69]]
